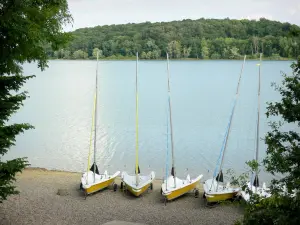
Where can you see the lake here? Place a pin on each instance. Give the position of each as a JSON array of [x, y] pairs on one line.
[[61, 103]]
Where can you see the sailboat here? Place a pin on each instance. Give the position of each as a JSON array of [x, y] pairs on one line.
[[253, 185], [172, 186], [137, 184], [92, 181], [214, 188]]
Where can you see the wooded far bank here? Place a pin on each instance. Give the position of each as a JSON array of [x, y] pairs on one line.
[[195, 39]]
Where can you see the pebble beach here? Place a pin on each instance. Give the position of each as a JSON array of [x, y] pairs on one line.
[[40, 203]]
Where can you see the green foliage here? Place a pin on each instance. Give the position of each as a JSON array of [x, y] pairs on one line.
[[95, 51], [204, 49], [174, 49], [79, 54], [29, 31], [215, 56], [283, 153], [283, 157], [203, 38], [234, 53]]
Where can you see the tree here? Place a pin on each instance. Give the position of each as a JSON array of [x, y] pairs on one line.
[[234, 53], [215, 56], [186, 52], [204, 37], [149, 55], [255, 44], [25, 28], [174, 49], [85, 55], [144, 55], [95, 51], [204, 49], [283, 157], [156, 54], [67, 54], [60, 54], [79, 54]]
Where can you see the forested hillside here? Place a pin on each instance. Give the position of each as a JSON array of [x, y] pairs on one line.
[[203, 39]]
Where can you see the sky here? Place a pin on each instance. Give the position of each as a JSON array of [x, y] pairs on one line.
[[90, 13]]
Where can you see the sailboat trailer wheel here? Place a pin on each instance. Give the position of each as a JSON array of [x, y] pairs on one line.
[[196, 193], [115, 187]]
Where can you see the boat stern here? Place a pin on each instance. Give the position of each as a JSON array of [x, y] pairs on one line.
[[173, 193], [137, 191], [94, 187]]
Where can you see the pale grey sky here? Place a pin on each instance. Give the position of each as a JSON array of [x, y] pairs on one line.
[[90, 13]]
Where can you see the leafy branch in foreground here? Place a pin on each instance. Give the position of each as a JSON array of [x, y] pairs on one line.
[[25, 28], [283, 157]]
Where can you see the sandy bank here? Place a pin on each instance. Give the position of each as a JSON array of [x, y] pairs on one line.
[[39, 203]]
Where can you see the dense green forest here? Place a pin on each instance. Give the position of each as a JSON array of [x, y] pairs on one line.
[[203, 39]]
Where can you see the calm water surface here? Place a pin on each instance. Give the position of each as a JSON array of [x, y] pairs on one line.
[[61, 103]]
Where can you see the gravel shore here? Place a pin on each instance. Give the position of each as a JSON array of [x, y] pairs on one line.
[[38, 203]]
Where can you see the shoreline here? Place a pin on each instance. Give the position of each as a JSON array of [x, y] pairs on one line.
[[183, 59], [39, 203], [42, 169]]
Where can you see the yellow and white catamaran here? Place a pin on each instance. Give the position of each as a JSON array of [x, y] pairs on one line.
[[92, 181], [253, 184], [215, 190], [172, 186], [137, 184]]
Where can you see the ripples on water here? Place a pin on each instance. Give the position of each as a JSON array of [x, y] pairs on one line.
[[61, 103]]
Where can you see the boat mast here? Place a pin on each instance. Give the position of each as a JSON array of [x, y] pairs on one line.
[[171, 127], [136, 122], [95, 123], [167, 155], [224, 146], [256, 181]]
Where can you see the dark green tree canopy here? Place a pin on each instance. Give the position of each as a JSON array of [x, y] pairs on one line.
[[283, 153], [203, 38], [26, 27]]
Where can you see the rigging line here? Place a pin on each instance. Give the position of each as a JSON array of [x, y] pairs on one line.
[[258, 112], [224, 145], [171, 127], [136, 122], [167, 155], [91, 136], [95, 123], [257, 123]]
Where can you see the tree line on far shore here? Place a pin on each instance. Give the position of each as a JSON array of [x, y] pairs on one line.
[[197, 39]]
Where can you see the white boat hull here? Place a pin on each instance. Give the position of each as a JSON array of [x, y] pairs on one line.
[[144, 182], [101, 181], [218, 192], [172, 191]]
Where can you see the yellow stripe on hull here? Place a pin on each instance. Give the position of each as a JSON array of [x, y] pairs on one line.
[[219, 197], [176, 193], [137, 192], [99, 186]]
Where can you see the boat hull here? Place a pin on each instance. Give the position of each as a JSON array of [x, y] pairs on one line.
[[137, 192], [215, 192], [220, 197], [99, 186], [145, 182], [181, 191]]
